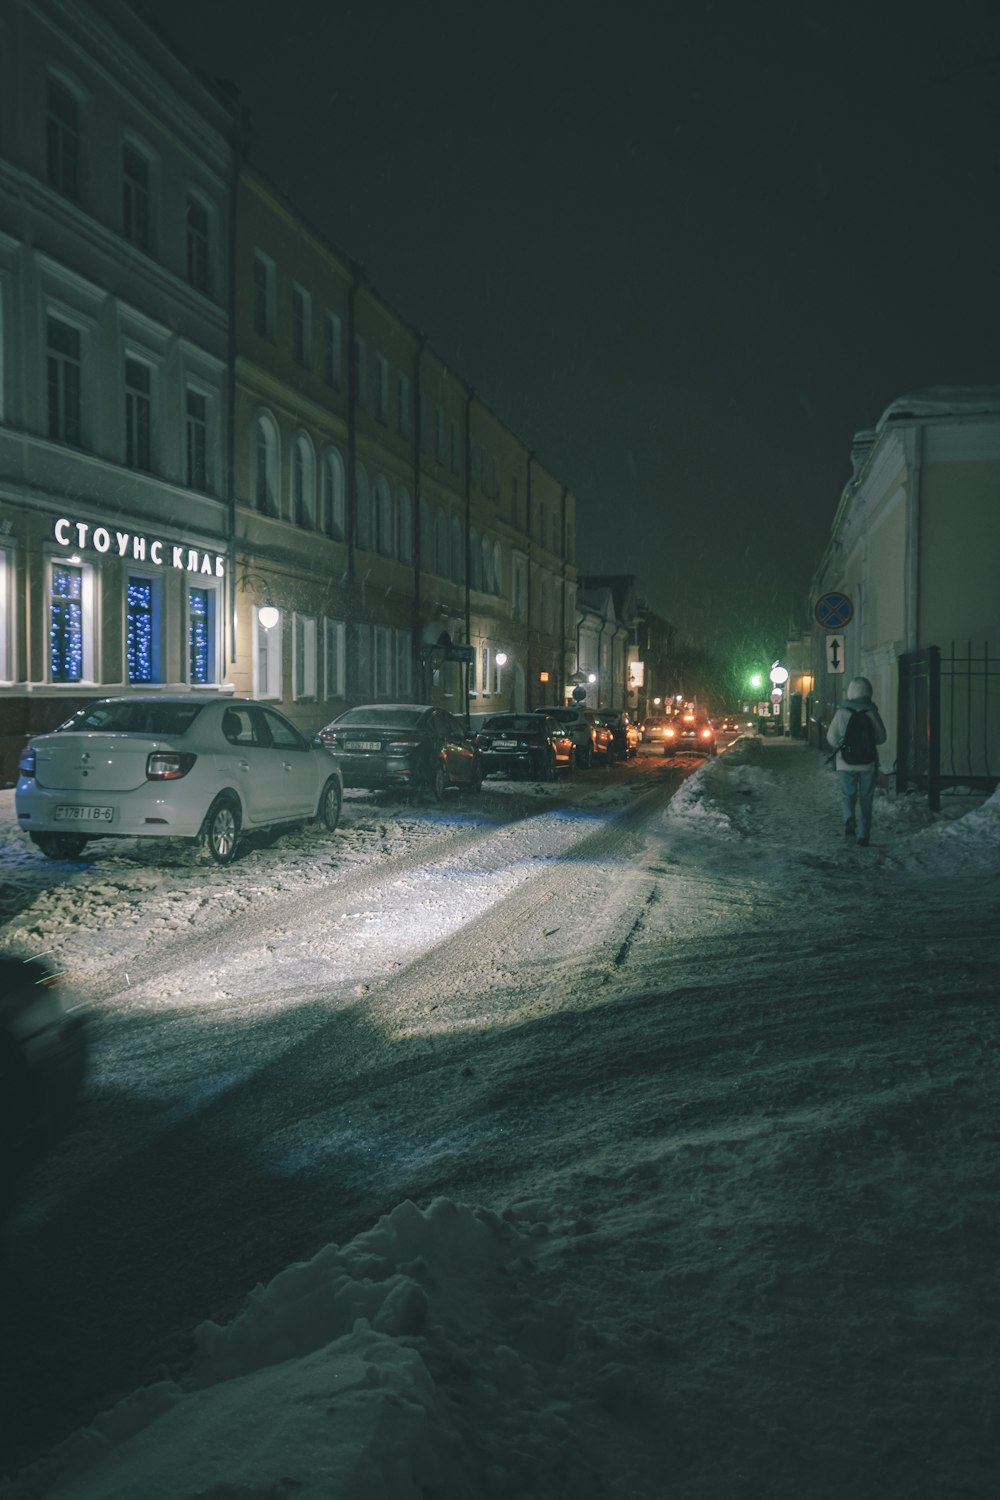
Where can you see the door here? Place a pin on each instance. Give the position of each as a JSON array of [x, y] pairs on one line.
[[293, 767]]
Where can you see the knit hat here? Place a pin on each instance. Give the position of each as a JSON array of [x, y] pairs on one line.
[[859, 687]]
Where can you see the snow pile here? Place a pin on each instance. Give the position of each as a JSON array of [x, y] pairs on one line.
[[966, 844], [720, 798]]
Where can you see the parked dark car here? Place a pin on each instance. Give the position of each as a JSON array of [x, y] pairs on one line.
[[413, 748], [42, 1054], [623, 732], [689, 734], [604, 740], [577, 725], [532, 744]]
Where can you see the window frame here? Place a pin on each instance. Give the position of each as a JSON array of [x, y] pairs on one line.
[[305, 658], [267, 691], [155, 612], [88, 591]]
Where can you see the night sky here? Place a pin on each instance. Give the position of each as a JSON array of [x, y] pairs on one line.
[[684, 250]]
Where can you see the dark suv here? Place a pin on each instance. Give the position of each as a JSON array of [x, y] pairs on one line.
[[575, 723]]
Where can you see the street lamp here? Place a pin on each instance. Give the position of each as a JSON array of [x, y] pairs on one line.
[[500, 657]]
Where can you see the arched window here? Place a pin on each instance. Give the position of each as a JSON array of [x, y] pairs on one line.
[[334, 506], [404, 526], [476, 558], [303, 483], [384, 538], [265, 467], [441, 548], [457, 551], [362, 508], [487, 566]]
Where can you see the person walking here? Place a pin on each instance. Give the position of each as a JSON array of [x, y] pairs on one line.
[[855, 731]]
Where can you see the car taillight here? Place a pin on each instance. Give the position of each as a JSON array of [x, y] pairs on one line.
[[26, 762], [706, 734], [168, 765]]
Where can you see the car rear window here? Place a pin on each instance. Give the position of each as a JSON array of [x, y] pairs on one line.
[[517, 723], [160, 719], [379, 716]]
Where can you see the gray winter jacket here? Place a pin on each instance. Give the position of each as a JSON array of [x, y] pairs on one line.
[[838, 728]]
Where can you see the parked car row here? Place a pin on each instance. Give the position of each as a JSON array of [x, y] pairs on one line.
[[213, 769]]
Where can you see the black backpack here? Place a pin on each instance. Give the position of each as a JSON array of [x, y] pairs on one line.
[[858, 745]]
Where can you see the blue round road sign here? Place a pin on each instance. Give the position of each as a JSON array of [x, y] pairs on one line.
[[579, 693], [834, 611]]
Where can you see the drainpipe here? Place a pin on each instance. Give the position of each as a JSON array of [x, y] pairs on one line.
[[529, 663], [352, 487], [915, 464], [238, 150], [418, 418], [470, 397]]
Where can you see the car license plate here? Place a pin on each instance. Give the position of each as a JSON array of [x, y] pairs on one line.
[[84, 814], [363, 745], [505, 744]]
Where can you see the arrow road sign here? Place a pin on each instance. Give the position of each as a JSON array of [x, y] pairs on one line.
[[835, 653], [834, 611]]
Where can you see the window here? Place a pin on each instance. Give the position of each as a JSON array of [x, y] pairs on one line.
[[196, 422], [332, 349], [363, 660], [497, 669], [138, 406], [404, 413], [6, 622], [70, 613], [485, 673], [382, 662], [334, 684], [384, 529], [404, 526], [497, 568], [439, 430], [301, 326], [62, 139], [305, 657], [303, 483], [265, 466], [135, 197], [142, 646], [333, 495], [202, 638], [64, 368], [267, 657], [360, 371], [263, 295], [381, 388], [455, 465], [404, 666], [487, 584], [196, 244]]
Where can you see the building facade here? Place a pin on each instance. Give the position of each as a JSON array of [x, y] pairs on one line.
[[115, 173]]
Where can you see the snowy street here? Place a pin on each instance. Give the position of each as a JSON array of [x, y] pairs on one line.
[[636, 1137]]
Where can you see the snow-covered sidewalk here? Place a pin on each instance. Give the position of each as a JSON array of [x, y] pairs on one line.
[[749, 1250]]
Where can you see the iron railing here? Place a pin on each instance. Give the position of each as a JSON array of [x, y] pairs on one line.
[[948, 721]]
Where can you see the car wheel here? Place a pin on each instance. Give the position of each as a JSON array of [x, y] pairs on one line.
[[329, 805], [59, 845], [222, 830], [438, 785]]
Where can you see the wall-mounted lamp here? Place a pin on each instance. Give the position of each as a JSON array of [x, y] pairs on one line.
[[500, 657], [268, 614]]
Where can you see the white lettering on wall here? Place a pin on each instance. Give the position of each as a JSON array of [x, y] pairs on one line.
[[190, 559]]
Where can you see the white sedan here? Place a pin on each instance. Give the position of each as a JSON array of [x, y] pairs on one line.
[[172, 766]]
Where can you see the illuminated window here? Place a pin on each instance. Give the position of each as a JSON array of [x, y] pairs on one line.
[[201, 635], [267, 657], [474, 675], [135, 197], [334, 633], [484, 675], [196, 244], [141, 653], [62, 139], [305, 664], [64, 365], [138, 408], [66, 631]]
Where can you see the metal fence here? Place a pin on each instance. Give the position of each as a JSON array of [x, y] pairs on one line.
[[948, 721]]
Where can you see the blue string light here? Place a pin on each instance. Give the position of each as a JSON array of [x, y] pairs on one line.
[[198, 653], [66, 625], [139, 641]]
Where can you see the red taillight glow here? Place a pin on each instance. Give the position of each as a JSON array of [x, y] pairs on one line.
[[706, 734], [168, 765], [26, 762]]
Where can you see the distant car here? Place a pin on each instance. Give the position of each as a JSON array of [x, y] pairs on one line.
[[604, 740], [689, 734], [579, 728], [42, 1060], [532, 744], [655, 729], [731, 725], [623, 732], [412, 748], [172, 766]]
